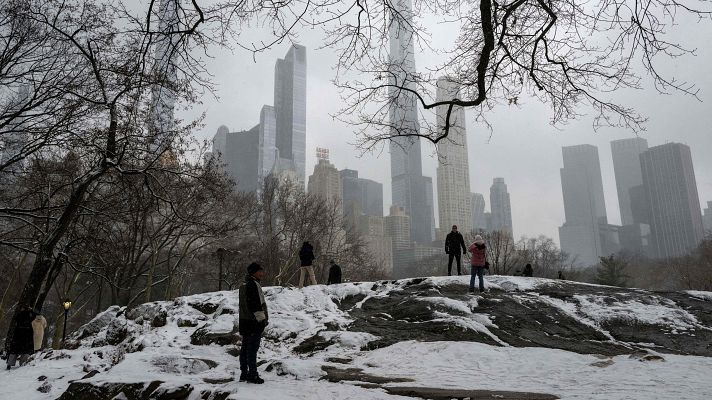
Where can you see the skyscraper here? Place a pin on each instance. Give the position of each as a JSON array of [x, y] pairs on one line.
[[325, 182], [290, 107], [584, 204], [707, 219], [362, 195], [478, 213], [163, 97], [397, 227], [453, 171], [500, 206], [674, 205], [236, 152], [409, 186], [634, 232], [626, 165], [267, 152]]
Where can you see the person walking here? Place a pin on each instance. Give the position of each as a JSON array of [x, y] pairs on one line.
[[334, 274], [453, 242], [561, 275], [306, 256], [253, 318], [528, 271], [39, 324], [21, 345], [478, 263]]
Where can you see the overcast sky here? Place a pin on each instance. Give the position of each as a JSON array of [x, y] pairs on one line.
[[522, 146]]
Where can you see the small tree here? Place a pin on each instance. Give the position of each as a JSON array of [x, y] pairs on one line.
[[612, 271]]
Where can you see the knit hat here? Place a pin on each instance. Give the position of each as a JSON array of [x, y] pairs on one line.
[[478, 239], [254, 267]]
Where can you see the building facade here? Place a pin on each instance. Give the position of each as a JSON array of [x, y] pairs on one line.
[[673, 202], [408, 185], [237, 156], [634, 234], [584, 205], [707, 219], [500, 207], [325, 182], [479, 223], [290, 107], [165, 69], [453, 172], [361, 196]]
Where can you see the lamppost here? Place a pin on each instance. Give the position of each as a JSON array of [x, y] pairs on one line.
[[67, 304], [221, 255]]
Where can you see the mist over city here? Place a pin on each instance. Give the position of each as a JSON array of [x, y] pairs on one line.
[[218, 199]]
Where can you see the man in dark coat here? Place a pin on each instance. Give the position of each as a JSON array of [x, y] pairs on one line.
[[306, 256], [253, 320], [22, 343], [453, 242], [528, 271], [334, 274]]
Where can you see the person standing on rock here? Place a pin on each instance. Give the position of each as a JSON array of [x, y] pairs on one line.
[[334, 274], [453, 242], [253, 318], [306, 256], [39, 324], [528, 271], [478, 263], [21, 345]]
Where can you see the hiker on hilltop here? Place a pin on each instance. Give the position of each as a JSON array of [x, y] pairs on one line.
[[253, 318], [21, 345], [334, 274], [528, 271], [306, 256], [453, 242], [478, 263]]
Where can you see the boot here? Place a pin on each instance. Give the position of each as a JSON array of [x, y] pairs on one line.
[[255, 379]]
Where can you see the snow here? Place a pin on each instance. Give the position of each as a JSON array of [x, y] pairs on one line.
[[296, 315]]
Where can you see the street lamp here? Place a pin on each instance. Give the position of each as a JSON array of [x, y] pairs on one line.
[[221, 255], [67, 304]]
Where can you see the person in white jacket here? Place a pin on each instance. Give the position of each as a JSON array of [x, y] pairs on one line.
[[39, 324]]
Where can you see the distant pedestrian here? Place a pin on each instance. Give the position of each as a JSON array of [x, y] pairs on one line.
[[561, 275], [253, 318], [39, 324], [334, 274], [306, 256], [22, 344], [453, 242], [528, 271], [478, 263]]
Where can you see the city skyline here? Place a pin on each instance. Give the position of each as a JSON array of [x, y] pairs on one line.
[[519, 144]]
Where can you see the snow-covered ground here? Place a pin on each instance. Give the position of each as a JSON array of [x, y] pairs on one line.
[[325, 314]]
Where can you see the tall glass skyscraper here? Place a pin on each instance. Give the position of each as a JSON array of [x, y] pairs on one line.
[[501, 206], [290, 107], [163, 98], [454, 197], [409, 187]]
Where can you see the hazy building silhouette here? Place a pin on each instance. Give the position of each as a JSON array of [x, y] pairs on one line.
[[478, 212], [408, 185], [674, 205], [707, 219], [584, 206], [500, 206], [236, 152], [635, 231], [453, 170], [165, 71], [379, 246], [325, 182], [362, 195], [267, 151], [290, 105]]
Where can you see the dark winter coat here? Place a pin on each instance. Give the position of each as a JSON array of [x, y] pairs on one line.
[[252, 301], [453, 242], [479, 255], [306, 254], [23, 335], [528, 271], [334, 275]]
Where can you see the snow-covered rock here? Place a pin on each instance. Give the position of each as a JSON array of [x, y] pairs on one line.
[[427, 337]]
